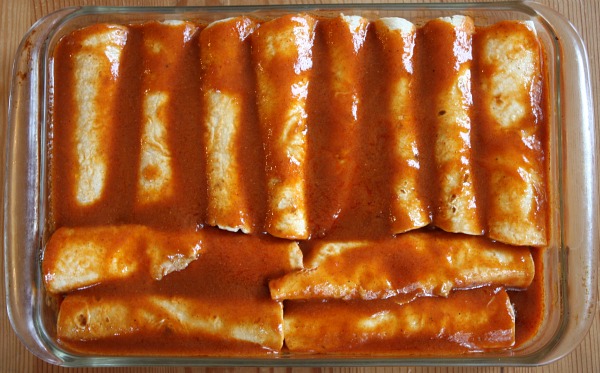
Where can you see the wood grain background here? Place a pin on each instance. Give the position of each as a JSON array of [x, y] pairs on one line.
[[16, 16]]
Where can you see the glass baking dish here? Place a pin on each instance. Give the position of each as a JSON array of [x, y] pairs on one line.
[[569, 262]]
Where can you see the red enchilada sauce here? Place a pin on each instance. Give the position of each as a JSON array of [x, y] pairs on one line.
[[345, 202]]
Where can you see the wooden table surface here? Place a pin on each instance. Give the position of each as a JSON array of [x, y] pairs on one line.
[[16, 16]]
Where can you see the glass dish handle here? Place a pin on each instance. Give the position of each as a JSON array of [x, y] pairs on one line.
[[22, 230], [580, 242]]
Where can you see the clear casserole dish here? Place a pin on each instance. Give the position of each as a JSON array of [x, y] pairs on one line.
[[569, 261]]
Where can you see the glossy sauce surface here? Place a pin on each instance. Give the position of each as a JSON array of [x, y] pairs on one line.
[[349, 186], [228, 282]]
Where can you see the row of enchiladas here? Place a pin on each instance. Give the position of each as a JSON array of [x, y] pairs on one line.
[[373, 186], [454, 115], [134, 290]]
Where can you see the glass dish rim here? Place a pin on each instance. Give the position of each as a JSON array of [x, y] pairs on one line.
[[314, 360]]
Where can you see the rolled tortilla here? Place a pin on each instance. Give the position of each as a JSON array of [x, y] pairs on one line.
[[445, 63], [282, 53], [409, 210], [164, 46], [145, 317], [225, 57], [512, 132], [413, 264], [80, 257], [219, 305], [334, 128], [468, 320], [95, 88]]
